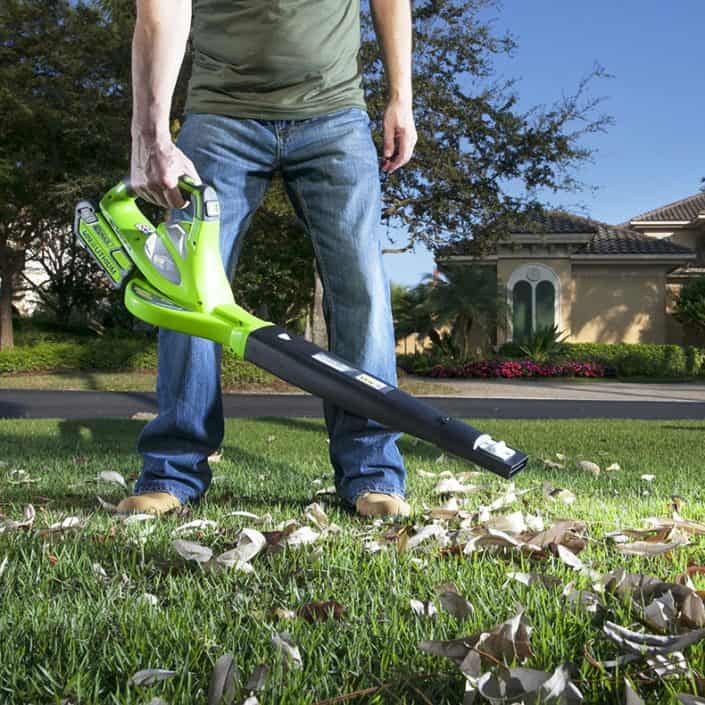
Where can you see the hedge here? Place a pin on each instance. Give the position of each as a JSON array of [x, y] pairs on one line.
[[111, 355], [629, 359], [511, 369]]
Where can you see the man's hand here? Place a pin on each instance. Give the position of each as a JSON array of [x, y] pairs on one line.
[[399, 135], [155, 168]]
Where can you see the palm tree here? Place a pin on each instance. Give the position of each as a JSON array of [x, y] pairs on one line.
[[410, 313], [466, 295]]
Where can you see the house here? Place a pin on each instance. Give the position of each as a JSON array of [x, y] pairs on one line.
[[597, 282]]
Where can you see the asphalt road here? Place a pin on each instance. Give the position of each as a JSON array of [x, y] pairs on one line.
[[38, 404]]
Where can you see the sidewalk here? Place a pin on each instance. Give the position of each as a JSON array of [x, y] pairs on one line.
[[557, 389]]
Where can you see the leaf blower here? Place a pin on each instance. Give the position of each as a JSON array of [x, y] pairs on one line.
[[173, 277]]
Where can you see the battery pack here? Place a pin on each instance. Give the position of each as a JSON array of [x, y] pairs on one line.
[[94, 234]]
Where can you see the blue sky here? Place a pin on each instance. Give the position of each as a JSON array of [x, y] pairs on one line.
[[654, 154]]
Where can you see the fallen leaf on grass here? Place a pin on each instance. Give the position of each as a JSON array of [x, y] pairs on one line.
[[67, 524], [224, 682], [111, 476], [301, 537], [686, 699], [529, 686], [613, 468], [558, 494], [589, 466], [564, 532], [108, 506], [320, 610], [648, 478], [422, 609], [250, 542], [3, 565], [673, 665], [315, 514], [29, 515], [148, 598], [290, 651], [151, 676], [647, 644], [646, 548], [196, 525], [192, 551], [533, 579], [215, 457], [431, 531], [682, 525], [630, 696], [660, 612], [452, 486], [453, 602], [553, 464], [508, 640], [257, 678]]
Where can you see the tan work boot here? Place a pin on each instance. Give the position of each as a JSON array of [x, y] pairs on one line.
[[372, 504], [149, 503]]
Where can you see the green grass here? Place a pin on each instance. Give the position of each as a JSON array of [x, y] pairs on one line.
[[65, 633]]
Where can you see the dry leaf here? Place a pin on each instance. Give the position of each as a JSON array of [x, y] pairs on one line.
[[527, 685], [315, 514], [111, 476], [150, 676], [192, 551], [225, 681], [112, 508], [196, 525], [258, 677], [284, 642], [512, 523], [613, 468], [422, 609], [589, 466], [456, 604], [533, 579], [648, 478], [661, 612], [29, 515], [301, 537], [647, 644], [452, 486], [319, 610], [630, 696], [215, 457]]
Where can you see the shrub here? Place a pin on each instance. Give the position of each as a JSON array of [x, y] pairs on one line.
[[114, 355], [510, 369], [628, 359]]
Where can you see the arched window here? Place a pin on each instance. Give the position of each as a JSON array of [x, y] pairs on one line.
[[533, 293]]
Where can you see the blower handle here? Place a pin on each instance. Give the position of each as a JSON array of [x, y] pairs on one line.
[[206, 206]]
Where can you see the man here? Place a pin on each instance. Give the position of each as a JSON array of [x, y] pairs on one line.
[[275, 85]]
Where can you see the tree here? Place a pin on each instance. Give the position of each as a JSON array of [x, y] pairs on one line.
[[689, 308], [63, 117], [411, 314], [274, 275], [473, 140], [466, 296]]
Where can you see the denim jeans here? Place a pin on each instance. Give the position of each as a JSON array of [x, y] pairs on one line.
[[330, 169]]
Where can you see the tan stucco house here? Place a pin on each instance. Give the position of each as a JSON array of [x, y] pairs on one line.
[[598, 282]]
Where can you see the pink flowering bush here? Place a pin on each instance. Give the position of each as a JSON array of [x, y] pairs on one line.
[[518, 368]]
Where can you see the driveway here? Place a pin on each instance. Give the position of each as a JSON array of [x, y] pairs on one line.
[[521, 401]]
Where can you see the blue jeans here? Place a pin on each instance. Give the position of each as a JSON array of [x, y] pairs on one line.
[[331, 174]]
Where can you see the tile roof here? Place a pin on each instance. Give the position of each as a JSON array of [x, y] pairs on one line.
[[614, 240], [557, 222], [607, 239], [685, 209]]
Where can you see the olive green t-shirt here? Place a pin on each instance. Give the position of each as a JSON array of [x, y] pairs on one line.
[[275, 59]]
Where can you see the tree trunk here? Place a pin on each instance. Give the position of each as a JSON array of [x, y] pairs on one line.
[[7, 340], [319, 333]]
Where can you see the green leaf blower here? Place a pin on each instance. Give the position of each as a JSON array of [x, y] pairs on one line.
[[173, 277]]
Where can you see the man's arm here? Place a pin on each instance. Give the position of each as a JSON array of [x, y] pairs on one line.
[[392, 23], [158, 47]]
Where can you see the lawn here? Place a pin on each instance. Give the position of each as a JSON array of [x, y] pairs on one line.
[[101, 381], [82, 610]]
